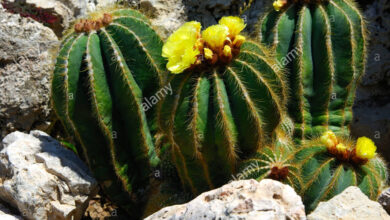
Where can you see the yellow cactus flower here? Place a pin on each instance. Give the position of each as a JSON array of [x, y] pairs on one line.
[[329, 139], [215, 36], [365, 148], [279, 4], [208, 54], [234, 24], [181, 48], [238, 41]]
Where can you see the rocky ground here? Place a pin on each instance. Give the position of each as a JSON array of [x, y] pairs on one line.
[[27, 54]]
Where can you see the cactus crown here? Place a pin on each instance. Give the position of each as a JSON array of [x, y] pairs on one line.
[[274, 163], [282, 4], [188, 48], [89, 25]]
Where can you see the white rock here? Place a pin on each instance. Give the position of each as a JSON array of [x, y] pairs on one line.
[[26, 64], [166, 15], [351, 204], [244, 199], [43, 179]]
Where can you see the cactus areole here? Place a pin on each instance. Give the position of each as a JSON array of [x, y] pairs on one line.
[[322, 45], [104, 69]]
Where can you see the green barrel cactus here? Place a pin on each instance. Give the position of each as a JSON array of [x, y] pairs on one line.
[[322, 168], [104, 69], [226, 104], [322, 45]]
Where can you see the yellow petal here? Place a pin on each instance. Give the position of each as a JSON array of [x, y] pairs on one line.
[[180, 47], [238, 41], [215, 36], [329, 139], [234, 24], [365, 148]]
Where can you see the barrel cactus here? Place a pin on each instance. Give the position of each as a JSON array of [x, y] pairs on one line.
[[105, 67], [322, 168], [322, 44], [228, 100]]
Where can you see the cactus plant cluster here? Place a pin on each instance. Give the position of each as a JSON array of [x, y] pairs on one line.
[[234, 111]]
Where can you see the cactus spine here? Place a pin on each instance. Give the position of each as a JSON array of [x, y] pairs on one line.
[[323, 46], [220, 115], [102, 72]]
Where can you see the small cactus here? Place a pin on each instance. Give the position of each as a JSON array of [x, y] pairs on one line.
[[322, 45], [103, 70], [229, 100], [322, 168], [329, 169], [273, 163]]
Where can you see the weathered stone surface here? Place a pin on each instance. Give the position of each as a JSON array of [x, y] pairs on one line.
[[384, 199], [55, 14], [244, 199], [25, 69], [51, 13], [166, 15], [43, 179], [5, 214], [351, 204]]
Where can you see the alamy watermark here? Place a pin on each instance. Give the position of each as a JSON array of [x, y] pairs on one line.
[[149, 102], [290, 56]]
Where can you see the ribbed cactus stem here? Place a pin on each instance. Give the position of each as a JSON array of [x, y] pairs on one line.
[[101, 76], [323, 46], [213, 111]]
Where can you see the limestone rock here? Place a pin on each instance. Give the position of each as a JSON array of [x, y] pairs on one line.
[[351, 204], [244, 199], [55, 14], [384, 199], [5, 214], [25, 68], [42, 179], [166, 15], [51, 13]]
